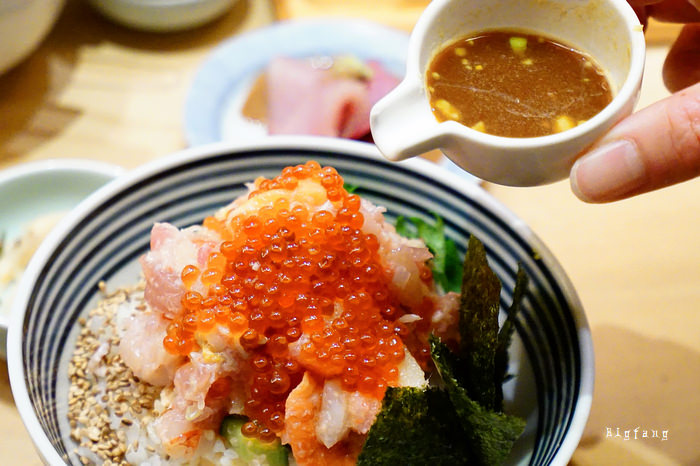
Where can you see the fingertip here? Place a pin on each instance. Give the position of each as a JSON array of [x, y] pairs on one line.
[[573, 181], [611, 172]]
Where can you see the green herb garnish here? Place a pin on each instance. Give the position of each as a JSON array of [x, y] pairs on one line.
[[446, 265], [350, 188]]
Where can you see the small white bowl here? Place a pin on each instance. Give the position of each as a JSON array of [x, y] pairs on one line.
[[403, 125], [162, 15], [33, 189], [23, 25]]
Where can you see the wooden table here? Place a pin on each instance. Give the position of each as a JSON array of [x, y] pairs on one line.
[[95, 90]]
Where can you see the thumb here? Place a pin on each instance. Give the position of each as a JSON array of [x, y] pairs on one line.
[[651, 149]]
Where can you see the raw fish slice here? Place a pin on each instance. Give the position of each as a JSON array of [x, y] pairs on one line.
[[301, 410], [381, 82], [342, 411], [307, 100], [171, 250], [141, 348], [378, 86]]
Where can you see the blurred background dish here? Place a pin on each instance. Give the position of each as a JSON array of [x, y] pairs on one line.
[[551, 354], [34, 197], [213, 111], [162, 15], [23, 25]]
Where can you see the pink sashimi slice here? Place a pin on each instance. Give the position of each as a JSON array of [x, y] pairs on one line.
[[307, 100], [381, 83]]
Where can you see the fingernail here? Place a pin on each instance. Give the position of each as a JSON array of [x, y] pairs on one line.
[[608, 173]]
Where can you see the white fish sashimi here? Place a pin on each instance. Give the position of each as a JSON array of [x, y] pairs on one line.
[[171, 250], [332, 418], [141, 349], [410, 373], [342, 411], [402, 256], [445, 319], [302, 412], [196, 403], [179, 436]]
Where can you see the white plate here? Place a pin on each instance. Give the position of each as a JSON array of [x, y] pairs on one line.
[[221, 86], [30, 190]]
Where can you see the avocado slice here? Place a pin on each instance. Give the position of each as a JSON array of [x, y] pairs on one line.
[[249, 448]]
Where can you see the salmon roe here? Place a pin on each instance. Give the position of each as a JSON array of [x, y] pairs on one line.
[[285, 274]]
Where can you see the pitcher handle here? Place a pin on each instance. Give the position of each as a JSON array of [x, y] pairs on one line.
[[402, 124]]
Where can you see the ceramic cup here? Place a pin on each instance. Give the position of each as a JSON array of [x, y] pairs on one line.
[[403, 125]]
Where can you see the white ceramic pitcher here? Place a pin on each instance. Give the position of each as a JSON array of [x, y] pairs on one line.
[[404, 126]]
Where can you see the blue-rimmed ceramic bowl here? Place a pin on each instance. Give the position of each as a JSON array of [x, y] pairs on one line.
[[552, 354]]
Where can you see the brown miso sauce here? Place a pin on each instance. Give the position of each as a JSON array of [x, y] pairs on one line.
[[515, 84]]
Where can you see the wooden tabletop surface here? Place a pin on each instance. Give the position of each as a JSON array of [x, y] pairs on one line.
[[96, 90]]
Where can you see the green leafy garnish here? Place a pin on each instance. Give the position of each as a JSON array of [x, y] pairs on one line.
[[446, 264], [350, 188], [405, 228]]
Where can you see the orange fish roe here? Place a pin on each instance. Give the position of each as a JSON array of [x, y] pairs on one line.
[[285, 274]]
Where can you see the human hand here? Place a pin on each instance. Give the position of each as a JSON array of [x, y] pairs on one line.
[[659, 145]]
